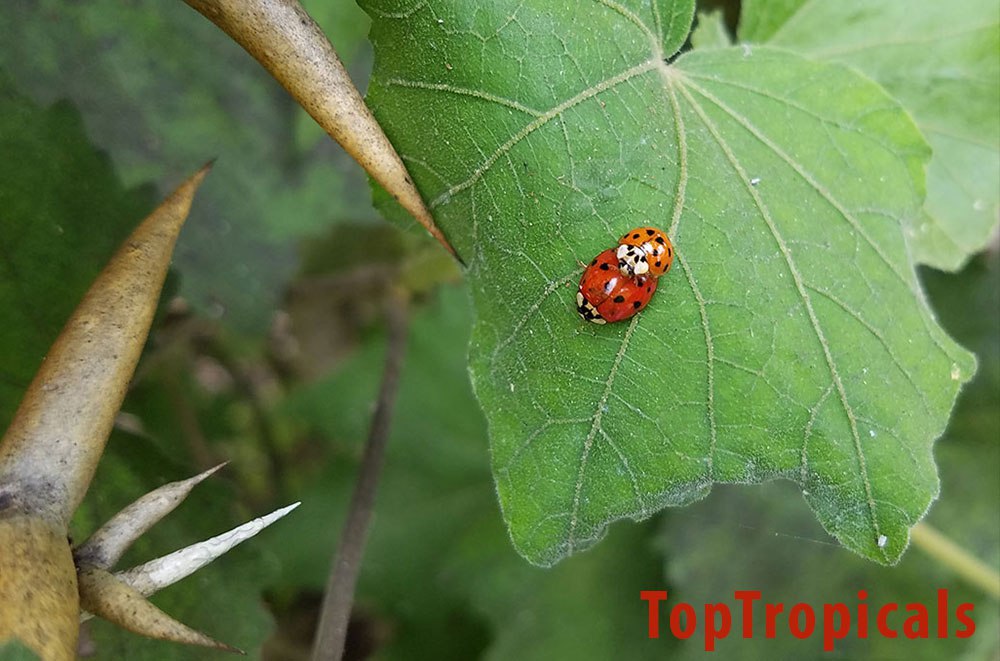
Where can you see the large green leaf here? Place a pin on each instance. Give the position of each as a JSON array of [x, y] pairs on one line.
[[940, 60], [792, 340]]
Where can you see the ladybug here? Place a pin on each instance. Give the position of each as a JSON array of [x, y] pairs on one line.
[[645, 251], [607, 295]]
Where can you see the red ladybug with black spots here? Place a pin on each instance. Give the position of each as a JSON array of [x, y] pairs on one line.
[[607, 295], [620, 281]]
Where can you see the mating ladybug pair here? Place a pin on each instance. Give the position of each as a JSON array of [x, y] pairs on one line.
[[620, 281]]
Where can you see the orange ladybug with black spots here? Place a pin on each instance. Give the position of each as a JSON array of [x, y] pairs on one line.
[[645, 251]]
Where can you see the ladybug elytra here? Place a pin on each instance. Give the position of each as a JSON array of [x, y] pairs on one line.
[[607, 295]]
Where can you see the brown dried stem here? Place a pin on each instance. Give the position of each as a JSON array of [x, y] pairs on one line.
[[331, 632]]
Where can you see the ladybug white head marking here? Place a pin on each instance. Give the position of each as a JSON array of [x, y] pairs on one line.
[[587, 311], [632, 260]]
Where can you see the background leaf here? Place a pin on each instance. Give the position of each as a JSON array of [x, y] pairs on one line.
[[274, 181], [710, 31], [434, 496], [15, 651], [792, 340], [45, 150], [940, 61]]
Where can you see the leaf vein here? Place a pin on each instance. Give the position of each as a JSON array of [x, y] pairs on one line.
[[628, 469], [654, 42], [710, 364], [813, 413], [540, 121], [464, 91], [532, 309], [859, 230], [800, 287], [878, 335], [552, 422], [595, 426]]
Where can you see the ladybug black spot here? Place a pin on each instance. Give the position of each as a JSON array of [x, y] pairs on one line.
[[636, 305], [604, 266], [650, 232], [593, 261], [619, 299], [659, 240], [648, 287], [657, 262], [635, 236], [669, 252]]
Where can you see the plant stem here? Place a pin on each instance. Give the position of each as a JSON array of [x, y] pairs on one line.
[[950, 554], [331, 632]]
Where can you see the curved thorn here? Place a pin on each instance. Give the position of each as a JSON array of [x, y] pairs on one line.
[[105, 547], [104, 595]]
